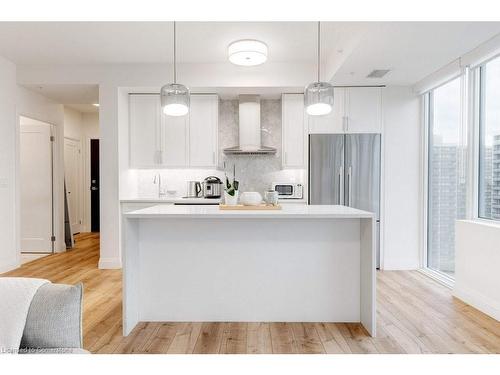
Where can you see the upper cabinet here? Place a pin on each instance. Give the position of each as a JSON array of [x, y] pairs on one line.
[[175, 141], [333, 122], [355, 110], [203, 120], [363, 110], [144, 130], [294, 135], [160, 141]]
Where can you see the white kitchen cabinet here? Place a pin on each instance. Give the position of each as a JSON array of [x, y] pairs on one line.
[[294, 134], [175, 141], [144, 130], [158, 140], [355, 110], [333, 122], [363, 110], [203, 131]]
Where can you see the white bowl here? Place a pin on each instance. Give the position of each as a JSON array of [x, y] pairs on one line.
[[250, 198]]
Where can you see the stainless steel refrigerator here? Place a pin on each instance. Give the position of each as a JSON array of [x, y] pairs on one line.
[[345, 169]]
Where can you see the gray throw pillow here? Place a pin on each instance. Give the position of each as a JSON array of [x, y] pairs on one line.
[[54, 318]]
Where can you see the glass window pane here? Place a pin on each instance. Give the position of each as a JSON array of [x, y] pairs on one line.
[[447, 185], [489, 150]]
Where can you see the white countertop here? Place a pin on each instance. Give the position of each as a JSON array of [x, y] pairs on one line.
[[172, 200], [211, 212]]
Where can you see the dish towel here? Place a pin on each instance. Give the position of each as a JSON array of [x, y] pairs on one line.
[[16, 294]]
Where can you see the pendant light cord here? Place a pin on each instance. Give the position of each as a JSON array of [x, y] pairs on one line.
[[175, 68], [319, 49]]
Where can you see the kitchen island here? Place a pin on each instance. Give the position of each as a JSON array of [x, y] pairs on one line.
[[299, 264]]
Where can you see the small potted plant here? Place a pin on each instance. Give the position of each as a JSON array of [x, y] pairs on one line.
[[231, 191]]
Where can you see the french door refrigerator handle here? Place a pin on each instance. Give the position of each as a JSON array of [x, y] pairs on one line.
[[349, 172], [341, 185]]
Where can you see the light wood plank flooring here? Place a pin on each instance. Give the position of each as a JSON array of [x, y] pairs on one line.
[[415, 315]]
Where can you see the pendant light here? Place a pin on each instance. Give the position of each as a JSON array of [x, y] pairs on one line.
[[318, 96], [174, 96]]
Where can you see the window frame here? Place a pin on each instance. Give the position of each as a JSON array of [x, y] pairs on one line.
[[478, 107], [427, 123]]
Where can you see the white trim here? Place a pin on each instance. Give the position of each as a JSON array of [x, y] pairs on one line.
[[439, 277], [425, 179], [473, 192], [12, 266], [439, 78], [482, 53], [477, 300], [110, 263]]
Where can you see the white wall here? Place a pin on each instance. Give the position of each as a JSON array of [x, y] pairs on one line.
[[9, 240], [477, 261], [82, 127], [33, 105], [402, 179], [90, 124]]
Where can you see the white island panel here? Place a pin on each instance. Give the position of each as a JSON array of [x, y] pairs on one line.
[[302, 264]]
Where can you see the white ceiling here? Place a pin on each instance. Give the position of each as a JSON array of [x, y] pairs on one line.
[[412, 50], [350, 50], [79, 97]]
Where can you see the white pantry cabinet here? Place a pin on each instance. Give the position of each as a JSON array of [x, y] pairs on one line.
[[294, 134], [157, 140], [144, 130], [203, 131], [355, 110]]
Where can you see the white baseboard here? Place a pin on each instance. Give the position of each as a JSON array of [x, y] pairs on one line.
[[9, 266], [478, 301], [110, 263]]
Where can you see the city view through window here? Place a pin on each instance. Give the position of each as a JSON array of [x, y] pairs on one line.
[[447, 174], [447, 179]]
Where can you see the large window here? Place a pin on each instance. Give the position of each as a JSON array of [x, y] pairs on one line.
[[489, 137], [446, 177]]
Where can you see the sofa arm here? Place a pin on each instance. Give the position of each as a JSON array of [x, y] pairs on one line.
[[55, 318]]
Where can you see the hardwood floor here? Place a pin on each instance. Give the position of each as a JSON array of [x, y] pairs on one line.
[[415, 315]]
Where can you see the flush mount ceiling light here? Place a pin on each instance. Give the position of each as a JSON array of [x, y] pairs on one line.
[[247, 52], [174, 96], [318, 96]]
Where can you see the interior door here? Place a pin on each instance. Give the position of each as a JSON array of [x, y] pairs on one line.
[[36, 186], [94, 186], [73, 182], [326, 163]]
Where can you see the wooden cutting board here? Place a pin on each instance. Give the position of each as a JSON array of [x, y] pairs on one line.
[[261, 207]]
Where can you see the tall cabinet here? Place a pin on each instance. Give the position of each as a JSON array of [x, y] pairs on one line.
[[160, 141]]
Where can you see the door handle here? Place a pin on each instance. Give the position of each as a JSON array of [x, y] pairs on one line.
[[349, 191]]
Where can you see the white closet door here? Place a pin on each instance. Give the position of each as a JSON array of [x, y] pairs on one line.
[[73, 182], [36, 186]]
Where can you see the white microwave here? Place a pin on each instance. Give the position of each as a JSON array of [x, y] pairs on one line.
[[288, 190]]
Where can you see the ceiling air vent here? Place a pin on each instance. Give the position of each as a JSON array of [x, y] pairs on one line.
[[378, 73]]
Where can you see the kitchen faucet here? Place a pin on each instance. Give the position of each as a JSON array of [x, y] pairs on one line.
[[157, 180]]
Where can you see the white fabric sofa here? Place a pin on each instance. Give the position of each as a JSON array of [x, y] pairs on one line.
[[48, 319]]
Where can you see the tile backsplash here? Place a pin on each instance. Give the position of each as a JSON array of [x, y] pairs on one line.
[[255, 172]]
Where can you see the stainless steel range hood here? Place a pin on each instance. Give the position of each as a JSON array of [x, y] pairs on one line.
[[249, 129]]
